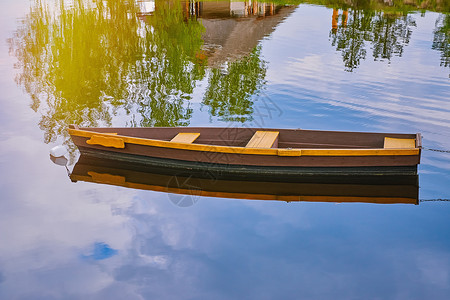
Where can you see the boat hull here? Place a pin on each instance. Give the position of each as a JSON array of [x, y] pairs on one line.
[[358, 153], [202, 169]]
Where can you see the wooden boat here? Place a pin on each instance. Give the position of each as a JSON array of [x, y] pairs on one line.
[[377, 190], [275, 154]]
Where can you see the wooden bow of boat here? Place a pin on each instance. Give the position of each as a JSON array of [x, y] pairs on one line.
[[251, 147]]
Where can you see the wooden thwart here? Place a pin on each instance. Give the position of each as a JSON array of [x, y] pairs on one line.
[[106, 141], [264, 139], [185, 137], [393, 143]]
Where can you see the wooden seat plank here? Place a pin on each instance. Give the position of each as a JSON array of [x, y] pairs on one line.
[[264, 139], [185, 137], [394, 143]]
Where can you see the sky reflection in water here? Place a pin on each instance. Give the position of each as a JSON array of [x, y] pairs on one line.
[[62, 240]]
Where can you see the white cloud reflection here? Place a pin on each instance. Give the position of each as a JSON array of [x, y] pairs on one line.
[[216, 249], [47, 223]]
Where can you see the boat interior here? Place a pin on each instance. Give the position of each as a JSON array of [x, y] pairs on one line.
[[269, 138]]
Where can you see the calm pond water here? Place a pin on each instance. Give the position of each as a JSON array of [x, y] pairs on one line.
[[332, 65]]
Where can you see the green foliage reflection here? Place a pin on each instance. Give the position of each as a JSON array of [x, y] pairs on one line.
[[229, 93], [441, 41], [387, 34], [379, 5], [93, 60]]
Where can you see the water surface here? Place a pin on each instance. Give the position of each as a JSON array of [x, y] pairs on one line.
[[370, 66]]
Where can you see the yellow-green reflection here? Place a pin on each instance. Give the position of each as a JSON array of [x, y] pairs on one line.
[[71, 58], [88, 62]]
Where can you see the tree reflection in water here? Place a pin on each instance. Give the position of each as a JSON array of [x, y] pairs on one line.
[[229, 93], [350, 38], [441, 41], [89, 62], [387, 34], [391, 33]]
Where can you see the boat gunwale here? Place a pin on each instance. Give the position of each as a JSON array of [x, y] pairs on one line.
[[289, 152]]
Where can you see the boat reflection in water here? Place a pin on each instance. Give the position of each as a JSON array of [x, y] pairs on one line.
[[339, 189]]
